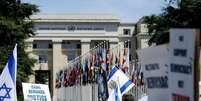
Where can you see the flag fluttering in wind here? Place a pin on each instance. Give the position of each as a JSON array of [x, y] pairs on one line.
[[104, 62], [125, 66], [8, 79], [118, 84]]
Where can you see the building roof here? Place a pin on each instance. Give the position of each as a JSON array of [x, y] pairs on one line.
[[128, 23], [74, 18]]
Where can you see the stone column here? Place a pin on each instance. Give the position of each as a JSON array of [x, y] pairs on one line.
[[85, 46], [57, 62]]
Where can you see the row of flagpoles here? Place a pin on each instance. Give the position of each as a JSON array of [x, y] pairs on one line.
[[86, 68], [102, 66]]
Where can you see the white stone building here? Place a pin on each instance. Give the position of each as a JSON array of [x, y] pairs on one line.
[[142, 35], [61, 37]]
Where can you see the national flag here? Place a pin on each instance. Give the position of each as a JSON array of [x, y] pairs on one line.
[[78, 73], [61, 77], [8, 79], [94, 58], [104, 62], [97, 65], [91, 66], [119, 57], [107, 60], [138, 71], [111, 57], [133, 75], [115, 59], [124, 60], [100, 57], [85, 70], [58, 82], [102, 86], [118, 80], [125, 66], [115, 94], [65, 78]]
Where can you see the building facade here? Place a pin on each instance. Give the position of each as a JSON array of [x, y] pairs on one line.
[[59, 38], [142, 36]]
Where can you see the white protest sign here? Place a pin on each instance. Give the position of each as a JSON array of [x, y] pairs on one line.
[[177, 63], [182, 51], [36, 92], [154, 62]]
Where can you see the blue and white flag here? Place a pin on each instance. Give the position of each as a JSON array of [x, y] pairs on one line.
[[118, 84], [104, 62], [8, 79]]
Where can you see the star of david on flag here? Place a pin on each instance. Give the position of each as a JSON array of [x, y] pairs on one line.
[[8, 79], [118, 84]]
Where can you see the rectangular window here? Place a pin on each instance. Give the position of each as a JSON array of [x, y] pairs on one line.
[[50, 46], [43, 59], [34, 46], [126, 31], [78, 46]]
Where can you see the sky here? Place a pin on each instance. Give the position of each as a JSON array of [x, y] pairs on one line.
[[125, 10]]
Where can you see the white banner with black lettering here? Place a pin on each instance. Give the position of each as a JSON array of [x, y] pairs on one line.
[[154, 62], [182, 50], [36, 92]]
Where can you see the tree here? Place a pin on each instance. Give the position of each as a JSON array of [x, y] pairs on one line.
[[14, 29], [187, 15]]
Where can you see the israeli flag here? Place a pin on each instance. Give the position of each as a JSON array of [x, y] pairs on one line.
[[8, 79], [118, 84]]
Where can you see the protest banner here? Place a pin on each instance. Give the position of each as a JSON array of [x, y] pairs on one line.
[[183, 64], [36, 92], [154, 64], [180, 64]]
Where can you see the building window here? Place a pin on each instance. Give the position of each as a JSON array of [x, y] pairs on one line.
[[43, 59], [126, 31], [34, 46], [50, 45], [78, 46]]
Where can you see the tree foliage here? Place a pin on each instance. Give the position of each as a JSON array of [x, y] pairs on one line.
[[187, 15], [14, 29]]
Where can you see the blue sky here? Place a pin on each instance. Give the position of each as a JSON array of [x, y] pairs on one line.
[[125, 10]]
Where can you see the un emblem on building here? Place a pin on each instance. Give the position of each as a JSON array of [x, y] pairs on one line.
[[71, 28]]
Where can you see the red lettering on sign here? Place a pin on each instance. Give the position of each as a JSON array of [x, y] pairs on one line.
[[177, 97]]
